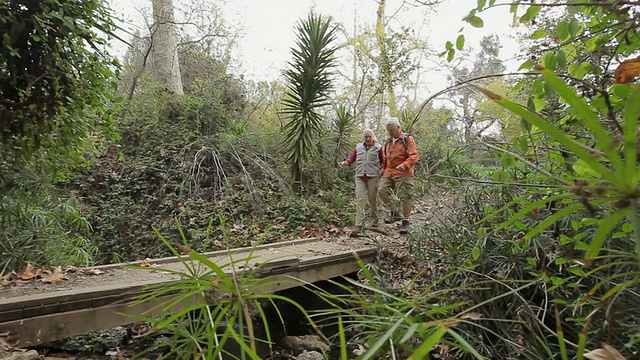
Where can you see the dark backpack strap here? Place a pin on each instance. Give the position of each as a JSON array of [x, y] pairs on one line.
[[404, 142]]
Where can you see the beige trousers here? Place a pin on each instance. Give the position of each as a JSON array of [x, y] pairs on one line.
[[366, 191]]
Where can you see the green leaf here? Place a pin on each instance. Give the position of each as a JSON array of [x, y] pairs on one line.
[[460, 42], [525, 65], [627, 227], [482, 232], [562, 31], [448, 45], [621, 90], [540, 33], [580, 70], [561, 58], [499, 176], [549, 61], [507, 161], [564, 239], [475, 253], [531, 13], [538, 103], [583, 169], [574, 27], [592, 43], [481, 4], [451, 54], [607, 224], [475, 21]]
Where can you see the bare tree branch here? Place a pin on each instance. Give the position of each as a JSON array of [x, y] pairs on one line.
[[489, 182], [526, 162]]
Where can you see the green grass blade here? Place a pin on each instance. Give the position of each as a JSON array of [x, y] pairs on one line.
[[551, 220], [465, 344], [560, 333], [535, 205], [373, 350], [607, 224], [587, 116], [632, 111], [555, 133], [422, 352], [343, 340]]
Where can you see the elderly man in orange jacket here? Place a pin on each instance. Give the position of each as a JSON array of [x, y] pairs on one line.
[[400, 156]]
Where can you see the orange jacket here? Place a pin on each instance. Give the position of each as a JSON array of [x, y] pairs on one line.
[[395, 154]]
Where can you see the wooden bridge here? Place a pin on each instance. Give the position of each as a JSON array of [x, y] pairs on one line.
[[91, 299]]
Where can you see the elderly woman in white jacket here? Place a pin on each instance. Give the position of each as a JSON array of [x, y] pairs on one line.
[[367, 157]]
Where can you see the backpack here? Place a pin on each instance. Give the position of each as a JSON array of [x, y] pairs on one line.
[[404, 143]]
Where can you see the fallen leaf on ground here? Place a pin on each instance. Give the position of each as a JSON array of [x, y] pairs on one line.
[[8, 279], [607, 352], [145, 263], [93, 272], [56, 277], [70, 269], [30, 272], [8, 341]]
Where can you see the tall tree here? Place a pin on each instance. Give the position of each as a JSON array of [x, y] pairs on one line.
[[384, 64], [164, 47], [308, 83], [385, 68], [487, 62]]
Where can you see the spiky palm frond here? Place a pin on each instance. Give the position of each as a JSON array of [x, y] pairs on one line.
[[343, 124], [309, 81]]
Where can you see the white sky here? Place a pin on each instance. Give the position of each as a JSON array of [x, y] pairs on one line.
[[268, 29]]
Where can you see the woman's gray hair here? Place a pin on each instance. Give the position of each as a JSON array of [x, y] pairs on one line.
[[373, 135], [393, 121]]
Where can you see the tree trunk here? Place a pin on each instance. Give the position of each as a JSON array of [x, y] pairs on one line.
[[164, 47], [384, 63]]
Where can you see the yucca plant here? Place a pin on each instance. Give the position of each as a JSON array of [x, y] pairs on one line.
[[343, 124], [308, 84]]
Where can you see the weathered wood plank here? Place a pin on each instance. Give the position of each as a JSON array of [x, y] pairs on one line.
[[45, 328]]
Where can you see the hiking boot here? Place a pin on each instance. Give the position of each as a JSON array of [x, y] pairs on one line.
[[404, 227]]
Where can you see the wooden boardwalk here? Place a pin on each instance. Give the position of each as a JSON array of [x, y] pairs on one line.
[[90, 299]]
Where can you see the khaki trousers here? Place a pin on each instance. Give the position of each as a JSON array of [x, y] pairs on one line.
[[366, 191]]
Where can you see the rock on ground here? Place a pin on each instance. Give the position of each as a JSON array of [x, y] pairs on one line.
[[305, 342], [20, 355], [310, 355]]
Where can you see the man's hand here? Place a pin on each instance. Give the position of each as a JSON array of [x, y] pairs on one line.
[[400, 167], [344, 163]]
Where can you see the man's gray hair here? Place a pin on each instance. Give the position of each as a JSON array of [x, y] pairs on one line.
[[393, 121]]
